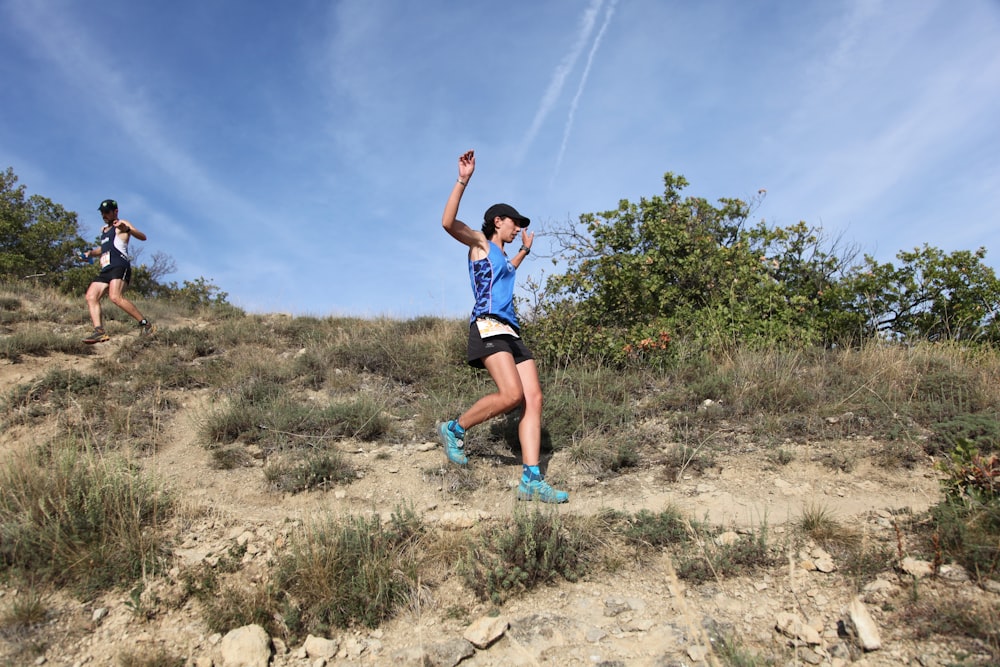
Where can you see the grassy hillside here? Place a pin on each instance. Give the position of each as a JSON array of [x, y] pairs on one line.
[[82, 510]]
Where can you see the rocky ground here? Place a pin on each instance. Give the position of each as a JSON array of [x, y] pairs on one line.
[[804, 611]]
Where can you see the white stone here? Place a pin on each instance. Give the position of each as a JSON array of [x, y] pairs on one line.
[[249, 646], [864, 625], [485, 630], [320, 647]]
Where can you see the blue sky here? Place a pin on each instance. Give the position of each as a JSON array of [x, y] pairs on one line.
[[299, 154]]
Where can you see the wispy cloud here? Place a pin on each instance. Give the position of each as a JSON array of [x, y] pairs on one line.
[[562, 71], [583, 83], [86, 64]]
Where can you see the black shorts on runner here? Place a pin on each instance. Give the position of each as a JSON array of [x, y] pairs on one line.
[[114, 273], [479, 349]]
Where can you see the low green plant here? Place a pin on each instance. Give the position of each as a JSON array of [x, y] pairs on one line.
[[818, 522], [313, 469], [237, 604], [26, 611], [748, 553], [660, 529], [71, 518], [531, 548], [971, 476], [978, 431], [356, 571], [141, 602], [156, 657]]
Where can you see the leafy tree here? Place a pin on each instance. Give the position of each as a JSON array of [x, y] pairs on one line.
[[670, 266], [37, 236], [40, 239], [930, 295]]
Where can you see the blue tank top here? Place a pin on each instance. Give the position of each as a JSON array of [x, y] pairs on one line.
[[493, 286], [114, 251]]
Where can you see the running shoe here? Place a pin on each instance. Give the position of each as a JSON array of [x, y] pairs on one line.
[[146, 328], [99, 336], [454, 447], [539, 489]]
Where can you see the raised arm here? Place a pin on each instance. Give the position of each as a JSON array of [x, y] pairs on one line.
[[126, 227], [449, 220]]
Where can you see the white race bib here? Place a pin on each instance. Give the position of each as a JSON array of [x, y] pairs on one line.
[[491, 327]]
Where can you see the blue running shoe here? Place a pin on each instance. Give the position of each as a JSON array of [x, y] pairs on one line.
[[454, 447], [539, 489]]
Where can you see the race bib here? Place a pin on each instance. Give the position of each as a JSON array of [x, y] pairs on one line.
[[105, 259], [489, 327]]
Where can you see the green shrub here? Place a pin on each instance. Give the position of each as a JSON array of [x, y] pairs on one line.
[[236, 605], [50, 393], [155, 657], [314, 469], [661, 529], [78, 520], [532, 548], [746, 554], [359, 571], [981, 431], [40, 343]]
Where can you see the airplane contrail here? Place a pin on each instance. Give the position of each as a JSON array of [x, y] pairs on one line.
[[583, 82], [559, 75]]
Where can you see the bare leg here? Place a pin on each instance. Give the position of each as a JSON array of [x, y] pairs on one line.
[[529, 430], [116, 292], [508, 396], [94, 295]]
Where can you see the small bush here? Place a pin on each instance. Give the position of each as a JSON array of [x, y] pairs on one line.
[[75, 520], [860, 560], [359, 571], [954, 617], [662, 529], [236, 605], [9, 304], [316, 469], [50, 393], [531, 549], [25, 612], [979, 431], [747, 554], [818, 523], [970, 476], [969, 534], [40, 343], [602, 456], [157, 657], [681, 458]]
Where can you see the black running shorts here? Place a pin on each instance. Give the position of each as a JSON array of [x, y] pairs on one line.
[[110, 273], [479, 348]]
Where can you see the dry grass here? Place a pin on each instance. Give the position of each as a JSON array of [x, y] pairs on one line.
[[288, 390]]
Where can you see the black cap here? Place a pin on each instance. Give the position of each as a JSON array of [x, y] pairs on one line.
[[505, 211], [108, 205]]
